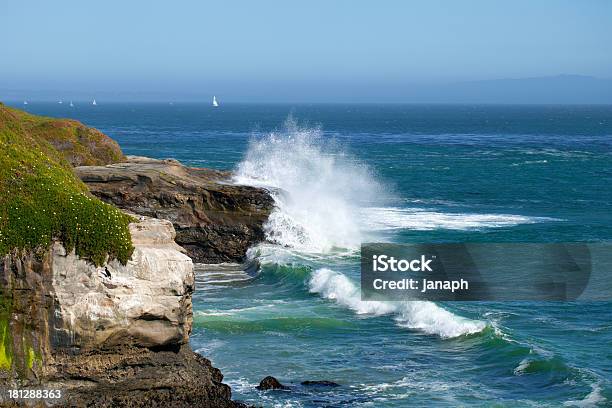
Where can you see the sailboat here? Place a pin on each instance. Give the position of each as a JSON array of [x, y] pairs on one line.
[[215, 103], [94, 102], [71, 105]]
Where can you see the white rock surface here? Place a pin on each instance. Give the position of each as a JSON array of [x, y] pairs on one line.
[[145, 302]]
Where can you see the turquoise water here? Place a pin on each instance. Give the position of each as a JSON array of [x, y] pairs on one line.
[[345, 174]]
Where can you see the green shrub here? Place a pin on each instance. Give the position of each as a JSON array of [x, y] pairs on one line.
[[41, 199]]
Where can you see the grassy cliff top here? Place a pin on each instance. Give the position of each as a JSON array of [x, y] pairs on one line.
[[40, 197], [79, 144]]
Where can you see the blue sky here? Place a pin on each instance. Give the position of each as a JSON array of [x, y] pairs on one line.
[[242, 49]]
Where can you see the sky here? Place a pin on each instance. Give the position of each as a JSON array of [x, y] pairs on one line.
[[277, 49]]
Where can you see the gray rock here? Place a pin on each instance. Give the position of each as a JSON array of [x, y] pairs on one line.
[[215, 220]]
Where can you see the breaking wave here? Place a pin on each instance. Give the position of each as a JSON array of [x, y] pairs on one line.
[[425, 316], [317, 188], [327, 203], [325, 199]]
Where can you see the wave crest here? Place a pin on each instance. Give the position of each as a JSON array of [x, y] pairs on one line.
[[425, 316]]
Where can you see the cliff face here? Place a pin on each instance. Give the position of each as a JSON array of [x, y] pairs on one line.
[[215, 221], [108, 335], [92, 301], [145, 302]]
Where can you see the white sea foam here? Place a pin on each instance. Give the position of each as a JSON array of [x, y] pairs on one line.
[[424, 316], [210, 346], [233, 312], [529, 162], [593, 399], [391, 218]]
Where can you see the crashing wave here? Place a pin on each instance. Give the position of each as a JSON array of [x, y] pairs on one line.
[[318, 190], [425, 316]]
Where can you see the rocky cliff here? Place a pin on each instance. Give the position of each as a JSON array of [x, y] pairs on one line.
[[215, 220], [93, 301], [109, 335]]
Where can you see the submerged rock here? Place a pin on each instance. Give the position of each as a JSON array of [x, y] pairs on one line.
[[323, 383], [271, 383], [215, 221]]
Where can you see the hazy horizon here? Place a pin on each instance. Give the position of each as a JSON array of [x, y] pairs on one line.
[[561, 89], [316, 51]]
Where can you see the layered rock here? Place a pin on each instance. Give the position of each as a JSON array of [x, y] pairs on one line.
[[114, 335], [145, 302], [215, 220]]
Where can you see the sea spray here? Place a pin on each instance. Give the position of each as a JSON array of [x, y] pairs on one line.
[[318, 189], [326, 200]]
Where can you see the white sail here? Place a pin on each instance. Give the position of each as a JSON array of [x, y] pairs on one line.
[[60, 101], [215, 103], [25, 102], [71, 105], [94, 103]]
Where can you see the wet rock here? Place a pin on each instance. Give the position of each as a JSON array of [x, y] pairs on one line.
[[271, 383], [322, 383]]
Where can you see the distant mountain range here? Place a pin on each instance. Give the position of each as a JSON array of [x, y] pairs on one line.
[[559, 89]]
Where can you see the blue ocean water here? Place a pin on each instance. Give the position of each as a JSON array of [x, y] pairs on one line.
[[398, 173]]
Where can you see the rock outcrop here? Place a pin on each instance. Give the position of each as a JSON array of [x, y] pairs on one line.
[[215, 220], [271, 383], [114, 335], [108, 333], [145, 302]]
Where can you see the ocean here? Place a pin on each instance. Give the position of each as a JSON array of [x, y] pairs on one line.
[[346, 174]]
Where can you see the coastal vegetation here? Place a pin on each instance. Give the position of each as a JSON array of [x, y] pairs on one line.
[[40, 197], [78, 144]]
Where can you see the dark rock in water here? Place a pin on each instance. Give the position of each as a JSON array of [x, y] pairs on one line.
[[271, 383], [215, 221], [320, 383]]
